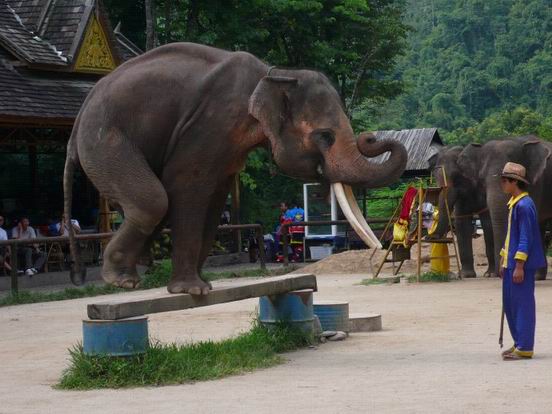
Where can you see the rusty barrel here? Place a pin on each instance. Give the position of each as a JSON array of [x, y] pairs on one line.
[[294, 308]]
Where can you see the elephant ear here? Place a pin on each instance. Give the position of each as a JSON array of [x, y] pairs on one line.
[[269, 103], [537, 156], [432, 161], [468, 162]]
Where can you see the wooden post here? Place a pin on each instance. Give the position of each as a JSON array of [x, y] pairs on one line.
[[235, 217], [14, 267], [260, 243], [33, 172], [419, 262], [105, 216]]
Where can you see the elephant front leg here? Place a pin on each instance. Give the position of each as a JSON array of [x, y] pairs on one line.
[[487, 226], [541, 273], [188, 216], [464, 232]]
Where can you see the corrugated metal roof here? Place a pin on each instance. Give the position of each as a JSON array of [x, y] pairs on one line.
[[420, 145]]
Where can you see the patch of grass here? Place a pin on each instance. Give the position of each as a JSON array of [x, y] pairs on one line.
[[157, 276], [430, 277], [381, 281], [177, 364]]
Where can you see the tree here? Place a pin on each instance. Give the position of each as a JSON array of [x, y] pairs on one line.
[[151, 32]]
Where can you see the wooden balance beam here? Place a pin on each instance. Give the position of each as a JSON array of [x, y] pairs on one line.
[[167, 302]]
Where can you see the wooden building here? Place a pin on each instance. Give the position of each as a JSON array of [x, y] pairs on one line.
[[420, 145], [51, 54]]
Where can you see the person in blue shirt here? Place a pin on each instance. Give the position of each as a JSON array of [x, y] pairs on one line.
[[522, 255]]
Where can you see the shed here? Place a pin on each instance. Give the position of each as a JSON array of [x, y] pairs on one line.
[[52, 52], [420, 145]]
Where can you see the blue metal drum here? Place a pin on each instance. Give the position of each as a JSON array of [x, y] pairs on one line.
[[334, 316], [293, 307], [122, 337]]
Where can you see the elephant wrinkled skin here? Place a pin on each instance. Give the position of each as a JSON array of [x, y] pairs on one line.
[[163, 135], [465, 199]]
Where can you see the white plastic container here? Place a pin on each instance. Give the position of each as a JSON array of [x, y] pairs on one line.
[[320, 252]]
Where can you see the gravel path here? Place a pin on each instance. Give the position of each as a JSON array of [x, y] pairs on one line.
[[437, 353]]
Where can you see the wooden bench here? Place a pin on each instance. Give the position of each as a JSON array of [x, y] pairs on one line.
[[167, 302]]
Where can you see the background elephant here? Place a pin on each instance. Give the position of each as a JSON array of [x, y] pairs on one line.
[[163, 135], [464, 200], [483, 164]]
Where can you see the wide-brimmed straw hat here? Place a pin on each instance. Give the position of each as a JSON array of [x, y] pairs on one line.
[[515, 172]]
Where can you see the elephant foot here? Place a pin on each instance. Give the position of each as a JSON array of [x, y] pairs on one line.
[[196, 287], [541, 274], [490, 273], [124, 280], [468, 274]]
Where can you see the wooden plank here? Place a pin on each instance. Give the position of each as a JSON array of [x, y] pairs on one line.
[[166, 302]]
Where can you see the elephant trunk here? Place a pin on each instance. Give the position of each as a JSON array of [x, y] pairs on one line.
[[346, 162], [443, 223], [498, 210]]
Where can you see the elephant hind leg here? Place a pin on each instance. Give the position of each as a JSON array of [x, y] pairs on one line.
[[132, 185]]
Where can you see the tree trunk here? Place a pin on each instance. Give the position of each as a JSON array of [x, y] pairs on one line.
[[151, 37], [168, 21]]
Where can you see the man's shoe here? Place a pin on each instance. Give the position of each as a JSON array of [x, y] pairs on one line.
[[34, 270], [517, 355], [509, 350], [29, 273]]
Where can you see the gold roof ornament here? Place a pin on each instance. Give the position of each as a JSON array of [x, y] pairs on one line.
[[95, 54]]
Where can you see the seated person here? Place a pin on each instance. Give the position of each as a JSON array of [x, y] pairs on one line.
[[33, 258], [62, 228]]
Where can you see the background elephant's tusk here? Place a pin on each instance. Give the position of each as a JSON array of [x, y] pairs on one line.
[[368, 238]]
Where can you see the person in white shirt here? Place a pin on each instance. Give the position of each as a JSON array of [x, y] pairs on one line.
[[63, 227], [23, 231]]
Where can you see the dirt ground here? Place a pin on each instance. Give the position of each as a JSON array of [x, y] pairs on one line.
[[437, 353]]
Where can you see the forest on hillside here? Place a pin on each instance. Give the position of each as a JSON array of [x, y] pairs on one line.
[[475, 69]]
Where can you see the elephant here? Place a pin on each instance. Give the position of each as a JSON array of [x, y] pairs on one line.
[[163, 135], [465, 200], [483, 164]]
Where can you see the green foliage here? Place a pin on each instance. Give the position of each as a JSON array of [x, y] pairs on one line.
[[177, 364], [381, 281], [430, 277], [475, 69]]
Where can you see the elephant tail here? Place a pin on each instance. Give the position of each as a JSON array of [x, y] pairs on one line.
[[78, 271]]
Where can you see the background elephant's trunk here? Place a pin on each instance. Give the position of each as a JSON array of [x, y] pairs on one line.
[[443, 223], [347, 162], [498, 210]]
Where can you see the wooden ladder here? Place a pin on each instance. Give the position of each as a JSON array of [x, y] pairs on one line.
[[399, 252]]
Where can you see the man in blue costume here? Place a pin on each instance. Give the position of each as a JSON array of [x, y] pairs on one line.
[[522, 255]]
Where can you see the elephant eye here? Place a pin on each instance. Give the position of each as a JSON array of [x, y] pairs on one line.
[[325, 137]]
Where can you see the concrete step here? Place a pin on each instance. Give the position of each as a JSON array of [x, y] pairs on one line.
[[365, 322]]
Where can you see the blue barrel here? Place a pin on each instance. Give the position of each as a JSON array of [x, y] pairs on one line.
[[334, 316], [293, 307], [122, 337]]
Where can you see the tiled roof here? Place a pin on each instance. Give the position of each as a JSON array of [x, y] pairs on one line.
[[420, 145], [22, 94], [23, 43], [48, 32], [62, 23]]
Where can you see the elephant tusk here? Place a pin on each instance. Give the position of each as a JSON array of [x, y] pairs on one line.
[[367, 236], [358, 214]]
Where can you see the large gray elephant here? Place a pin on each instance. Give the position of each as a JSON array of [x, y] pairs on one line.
[[465, 200], [163, 135], [483, 164]]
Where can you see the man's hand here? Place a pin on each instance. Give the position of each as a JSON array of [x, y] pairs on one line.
[[519, 273]]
